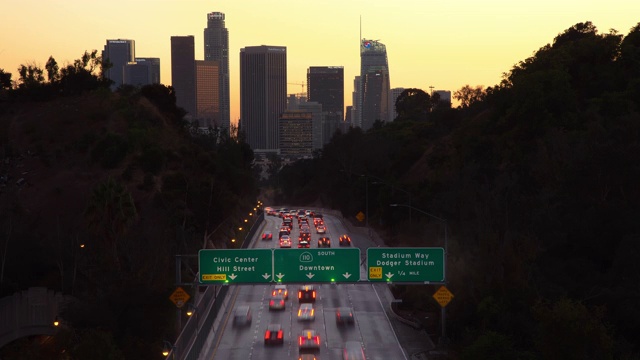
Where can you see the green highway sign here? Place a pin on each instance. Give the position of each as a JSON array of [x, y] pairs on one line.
[[235, 266], [416, 265], [316, 265]]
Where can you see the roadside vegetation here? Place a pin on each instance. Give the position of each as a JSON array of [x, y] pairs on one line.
[[538, 179]]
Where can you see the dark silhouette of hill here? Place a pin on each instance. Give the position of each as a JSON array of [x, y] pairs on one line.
[[99, 191], [538, 180]]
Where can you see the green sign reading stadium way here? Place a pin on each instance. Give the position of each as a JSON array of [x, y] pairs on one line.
[[416, 265], [234, 266], [316, 265]]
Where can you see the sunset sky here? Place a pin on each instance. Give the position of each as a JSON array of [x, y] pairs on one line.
[[444, 44]]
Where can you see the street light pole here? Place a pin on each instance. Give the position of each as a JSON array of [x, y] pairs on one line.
[[443, 312]]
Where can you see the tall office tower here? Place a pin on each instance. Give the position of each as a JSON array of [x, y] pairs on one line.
[[374, 76], [393, 96], [325, 85], [143, 71], [216, 48], [263, 94], [207, 99], [294, 129], [355, 103], [119, 53], [183, 72], [319, 120]]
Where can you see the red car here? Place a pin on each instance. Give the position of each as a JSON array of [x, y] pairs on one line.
[[274, 335], [345, 240]]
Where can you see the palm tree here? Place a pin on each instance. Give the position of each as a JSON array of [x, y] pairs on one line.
[[110, 213]]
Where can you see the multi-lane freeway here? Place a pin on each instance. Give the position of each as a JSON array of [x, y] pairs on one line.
[[371, 328]]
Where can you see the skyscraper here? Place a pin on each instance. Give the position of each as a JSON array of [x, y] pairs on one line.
[[207, 100], [263, 94], [216, 48], [143, 71], [373, 101], [118, 53], [183, 72], [393, 96], [326, 86]]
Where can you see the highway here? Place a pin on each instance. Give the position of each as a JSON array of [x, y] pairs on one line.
[[371, 328]]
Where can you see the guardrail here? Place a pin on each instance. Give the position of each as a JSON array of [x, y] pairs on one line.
[[191, 340]]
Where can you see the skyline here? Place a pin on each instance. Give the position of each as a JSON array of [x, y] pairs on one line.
[[428, 44]]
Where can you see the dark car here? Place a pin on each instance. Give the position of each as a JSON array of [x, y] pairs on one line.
[[307, 293], [267, 235], [324, 242], [274, 335], [304, 242], [345, 240], [344, 316], [242, 316]]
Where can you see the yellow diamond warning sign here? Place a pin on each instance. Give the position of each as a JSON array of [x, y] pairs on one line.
[[360, 216], [443, 296], [179, 297]]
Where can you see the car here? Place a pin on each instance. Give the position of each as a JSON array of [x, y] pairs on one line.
[[353, 351], [242, 315], [283, 231], [277, 302], [321, 229], [267, 235], [344, 316], [307, 213], [285, 241], [274, 335], [324, 242], [306, 312], [281, 289], [307, 294], [309, 340], [345, 240], [303, 242]]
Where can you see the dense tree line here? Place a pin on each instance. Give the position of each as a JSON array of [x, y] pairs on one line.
[[116, 185], [538, 179]]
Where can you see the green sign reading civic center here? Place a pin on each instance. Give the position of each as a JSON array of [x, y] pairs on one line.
[[316, 265], [234, 266], [416, 265]]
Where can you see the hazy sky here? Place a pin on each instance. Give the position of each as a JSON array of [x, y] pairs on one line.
[[444, 44]]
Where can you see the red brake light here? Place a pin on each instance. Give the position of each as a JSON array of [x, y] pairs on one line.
[[272, 302], [299, 294], [299, 312], [280, 334], [314, 294], [301, 340], [267, 335]]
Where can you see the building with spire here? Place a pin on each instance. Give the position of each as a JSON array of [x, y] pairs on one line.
[[373, 99], [216, 48]]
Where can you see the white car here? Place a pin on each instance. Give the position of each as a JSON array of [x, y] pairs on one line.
[[306, 312], [321, 229], [309, 340]]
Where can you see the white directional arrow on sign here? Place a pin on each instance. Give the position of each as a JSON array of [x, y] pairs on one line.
[[233, 276], [389, 275], [266, 276], [346, 275], [279, 276], [310, 275]]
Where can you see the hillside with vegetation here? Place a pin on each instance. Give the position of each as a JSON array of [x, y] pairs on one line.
[[98, 191], [538, 178]]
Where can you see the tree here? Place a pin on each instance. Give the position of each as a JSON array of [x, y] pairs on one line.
[[413, 104], [30, 76], [52, 70], [110, 213], [468, 95], [5, 80]]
